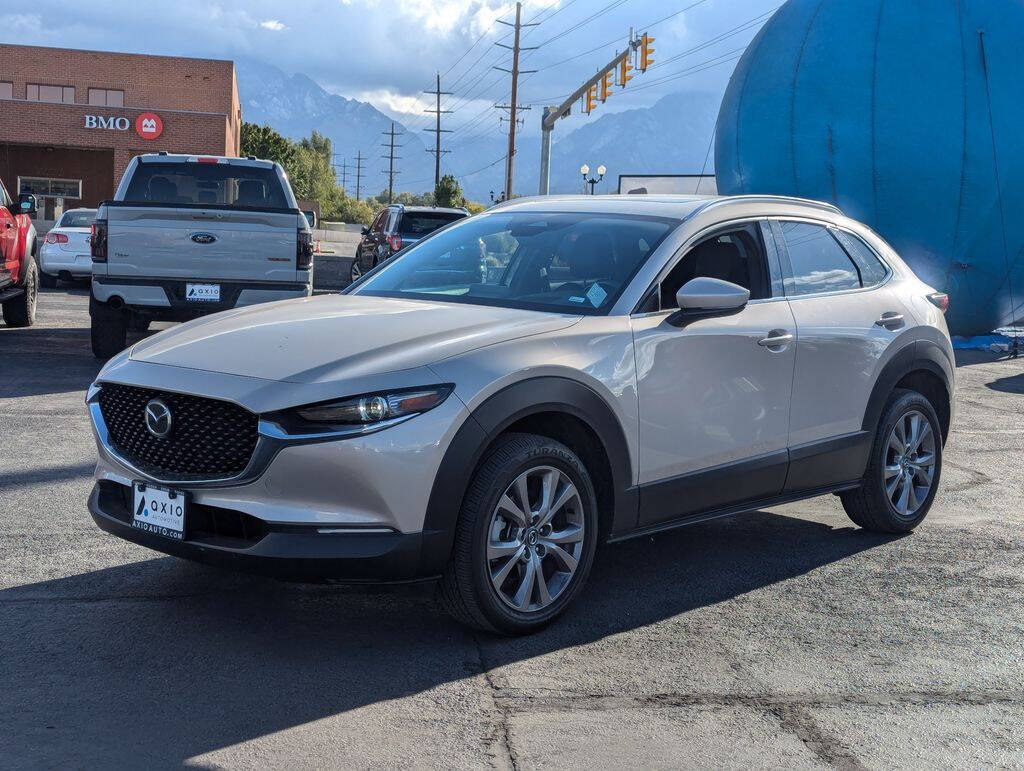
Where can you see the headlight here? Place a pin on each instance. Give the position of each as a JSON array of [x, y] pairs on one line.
[[358, 415], [375, 408]]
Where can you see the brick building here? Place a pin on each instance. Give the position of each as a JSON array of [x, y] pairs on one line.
[[71, 120]]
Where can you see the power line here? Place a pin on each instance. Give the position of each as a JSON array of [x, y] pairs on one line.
[[512, 106], [359, 172]]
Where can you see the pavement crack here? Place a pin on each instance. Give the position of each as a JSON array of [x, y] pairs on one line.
[[502, 736], [827, 747]]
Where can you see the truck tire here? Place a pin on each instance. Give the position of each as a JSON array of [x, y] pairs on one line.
[[109, 329], [21, 311]]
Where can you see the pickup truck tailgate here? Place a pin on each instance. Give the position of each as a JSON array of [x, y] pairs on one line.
[[171, 242]]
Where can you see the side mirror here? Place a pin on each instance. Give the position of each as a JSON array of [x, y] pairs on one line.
[[366, 230], [27, 204], [711, 295]]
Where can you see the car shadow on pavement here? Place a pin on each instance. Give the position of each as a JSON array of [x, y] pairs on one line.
[[1011, 384], [160, 661]]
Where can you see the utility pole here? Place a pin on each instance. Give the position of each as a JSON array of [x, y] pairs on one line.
[[344, 166], [359, 171], [513, 106], [391, 160], [437, 111]]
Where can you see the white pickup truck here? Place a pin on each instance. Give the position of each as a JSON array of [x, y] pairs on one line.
[[189, 235]]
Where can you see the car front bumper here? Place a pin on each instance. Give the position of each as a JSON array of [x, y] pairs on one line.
[[288, 552]]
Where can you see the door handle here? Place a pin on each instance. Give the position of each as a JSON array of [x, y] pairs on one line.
[[890, 320], [777, 338]]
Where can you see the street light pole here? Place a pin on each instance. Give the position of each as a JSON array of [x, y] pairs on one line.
[[585, 170]]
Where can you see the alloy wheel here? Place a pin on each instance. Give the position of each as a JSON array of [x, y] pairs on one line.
[[356, 272], [909, 469], [535, 539]]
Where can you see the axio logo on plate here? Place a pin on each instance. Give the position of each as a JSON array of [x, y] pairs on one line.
[[149, 125]]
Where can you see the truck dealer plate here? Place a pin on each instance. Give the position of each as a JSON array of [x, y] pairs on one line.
[[202, 293]]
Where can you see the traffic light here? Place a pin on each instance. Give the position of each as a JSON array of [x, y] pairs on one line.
[[625, 67], [646, 52], [590, 99], [606, 85]]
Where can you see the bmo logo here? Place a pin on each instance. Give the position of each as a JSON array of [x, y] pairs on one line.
[[149, 126]]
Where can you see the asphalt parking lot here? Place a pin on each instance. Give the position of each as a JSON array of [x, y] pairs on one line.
[[785, 637]]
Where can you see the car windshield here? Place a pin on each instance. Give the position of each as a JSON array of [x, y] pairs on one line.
[[207, 184], [574, 262], [77, 219], [420, 223]]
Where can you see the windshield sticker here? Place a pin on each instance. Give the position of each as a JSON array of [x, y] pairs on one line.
[[596, 295], [576, 299]]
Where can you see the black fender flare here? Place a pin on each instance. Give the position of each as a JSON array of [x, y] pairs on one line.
[[491, 418], [916, 356]]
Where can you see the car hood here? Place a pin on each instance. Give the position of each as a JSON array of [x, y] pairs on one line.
[[330, 337]]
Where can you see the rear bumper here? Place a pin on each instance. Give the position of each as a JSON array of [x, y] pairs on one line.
[[54, 261], [288, 552], [165, 298]]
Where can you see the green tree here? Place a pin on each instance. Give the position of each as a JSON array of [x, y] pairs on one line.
[[266, 143], [448, 192], [348, 209], [310, 170]]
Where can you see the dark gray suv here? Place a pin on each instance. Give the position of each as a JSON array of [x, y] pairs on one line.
[[395, 227]]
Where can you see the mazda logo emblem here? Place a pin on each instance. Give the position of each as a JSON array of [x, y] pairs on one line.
[[204, 238], [157, 417]]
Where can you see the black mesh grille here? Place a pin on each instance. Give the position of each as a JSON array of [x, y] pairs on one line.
[[209, 438]]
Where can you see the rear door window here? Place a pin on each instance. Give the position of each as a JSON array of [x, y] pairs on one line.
[[818, 262], [872, 271], [417, 224], [207, 184]]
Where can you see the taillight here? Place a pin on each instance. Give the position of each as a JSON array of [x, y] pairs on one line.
[[395, 242], [98, 241], [55, 238], [304, 250], [940, 300]]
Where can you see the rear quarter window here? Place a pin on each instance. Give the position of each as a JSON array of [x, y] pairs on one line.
[[207, 184], [872, 271], [818, 261]]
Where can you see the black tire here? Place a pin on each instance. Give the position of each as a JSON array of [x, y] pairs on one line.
[[869, 505], [465, 589], [138, 323], [109, 329], [21, 310], [47, 280], [355, 271]]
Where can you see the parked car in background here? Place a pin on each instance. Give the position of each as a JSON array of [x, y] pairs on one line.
[[396, 227], [19, 274], [190, 235], [65, 254], [557, 372]]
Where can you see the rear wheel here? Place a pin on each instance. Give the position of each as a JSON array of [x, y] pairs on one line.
[[525, 539], [904, 469], [21, 311], [109, 329]]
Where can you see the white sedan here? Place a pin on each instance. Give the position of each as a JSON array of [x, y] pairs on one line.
[[65, 253]]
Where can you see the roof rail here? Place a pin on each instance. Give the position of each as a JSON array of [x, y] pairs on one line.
[[758, 198]]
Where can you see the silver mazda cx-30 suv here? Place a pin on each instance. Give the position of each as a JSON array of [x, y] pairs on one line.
[[523, 384]]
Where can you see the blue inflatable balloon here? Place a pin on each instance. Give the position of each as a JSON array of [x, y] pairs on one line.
[[910, 117]]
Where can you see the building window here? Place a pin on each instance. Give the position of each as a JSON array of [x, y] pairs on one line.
[[106, 97], [51, 188], [59, 94], [6, 90]]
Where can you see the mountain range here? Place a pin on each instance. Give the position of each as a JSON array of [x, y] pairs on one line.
[[672, 136]]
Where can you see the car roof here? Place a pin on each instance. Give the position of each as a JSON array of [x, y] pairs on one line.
[[443, 209], [675, 206], [183, 158], [80, 208]]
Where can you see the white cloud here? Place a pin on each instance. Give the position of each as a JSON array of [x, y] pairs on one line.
[[273, 25]]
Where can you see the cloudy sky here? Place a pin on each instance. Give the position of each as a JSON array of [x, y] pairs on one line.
[[387, 51]]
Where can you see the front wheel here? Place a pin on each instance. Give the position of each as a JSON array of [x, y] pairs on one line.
[[356, 271], [904, 469], [525, 539], [21, 311]]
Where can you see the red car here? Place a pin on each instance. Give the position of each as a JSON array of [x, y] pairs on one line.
[[19, 274]]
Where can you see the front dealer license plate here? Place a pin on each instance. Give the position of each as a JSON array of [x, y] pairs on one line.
[[159, 511], [202, 293]]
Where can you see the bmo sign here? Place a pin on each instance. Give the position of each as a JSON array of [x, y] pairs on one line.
[[148, 125]]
